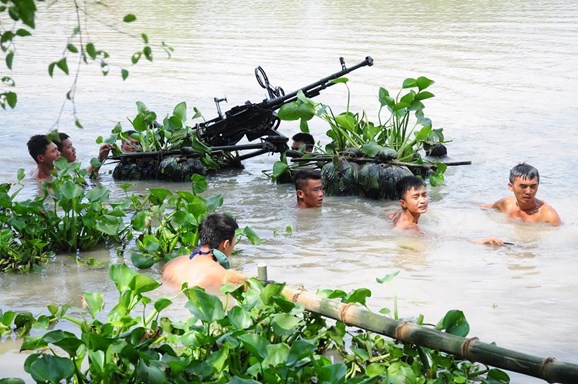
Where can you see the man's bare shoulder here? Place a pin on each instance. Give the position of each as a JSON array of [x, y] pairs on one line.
[[502, 205], [549, 215]]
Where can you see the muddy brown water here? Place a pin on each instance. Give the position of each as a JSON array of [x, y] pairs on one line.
[[506, 92]]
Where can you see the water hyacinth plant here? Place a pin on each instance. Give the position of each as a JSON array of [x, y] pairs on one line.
[[366, 158], [260, 338]]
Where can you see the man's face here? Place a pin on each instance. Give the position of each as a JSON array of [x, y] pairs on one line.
[[300, 146], [130, 145], [524, 189], [68, 151], [312, 195], [50, 155], [415, 201]]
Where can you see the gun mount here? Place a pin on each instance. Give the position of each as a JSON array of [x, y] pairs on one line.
[[255, 120]]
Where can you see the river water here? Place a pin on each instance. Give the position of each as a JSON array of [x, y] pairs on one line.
[[506, 92]]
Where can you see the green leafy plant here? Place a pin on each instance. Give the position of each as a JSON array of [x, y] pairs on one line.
[[166, 222], [396, 140], [261, 337]]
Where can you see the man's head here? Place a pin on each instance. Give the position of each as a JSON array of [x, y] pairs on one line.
[[130, 144], [524, 181], [412, 194], [308, 188], [66, 148], [43, 151], [303, 141], [218, 232]]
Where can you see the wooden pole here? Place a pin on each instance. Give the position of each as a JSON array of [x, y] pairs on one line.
[[471, 349], [549, 369]]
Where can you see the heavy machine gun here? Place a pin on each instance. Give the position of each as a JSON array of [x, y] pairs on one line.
[[255, 120]]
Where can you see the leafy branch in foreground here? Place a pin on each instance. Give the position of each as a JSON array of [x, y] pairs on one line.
[[18, 20], [262, 337]]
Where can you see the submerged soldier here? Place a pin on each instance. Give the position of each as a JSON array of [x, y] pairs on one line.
[[523, 206]]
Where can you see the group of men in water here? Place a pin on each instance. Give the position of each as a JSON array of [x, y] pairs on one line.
[[208, 265], [45, 152]]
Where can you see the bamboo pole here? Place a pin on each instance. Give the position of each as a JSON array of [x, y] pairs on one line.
[[352, 314], [471, 349]]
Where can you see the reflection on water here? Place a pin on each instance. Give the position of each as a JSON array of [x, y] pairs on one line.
[[505, 92]]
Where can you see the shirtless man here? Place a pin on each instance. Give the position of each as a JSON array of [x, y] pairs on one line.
[[523, 206], [413, 201], [44, 153], [208, 266], [308, 189]]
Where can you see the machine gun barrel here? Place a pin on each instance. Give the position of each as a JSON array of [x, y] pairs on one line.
[[315, 88]]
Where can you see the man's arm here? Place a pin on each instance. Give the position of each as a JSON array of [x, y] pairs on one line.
[[499, 205]]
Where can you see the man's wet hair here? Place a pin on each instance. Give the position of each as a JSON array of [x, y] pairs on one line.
[[303, 175], [37, 146], [524, 171], [216, 228], [60, 143], [305, 138], [407, 183]]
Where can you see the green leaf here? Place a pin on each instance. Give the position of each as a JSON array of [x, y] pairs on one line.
[[276, 355], [11, 99], [129, 18], [121, 275], [50, 368], [124, 74], [91, 50], [180, 111], [67, 341], [358, 296], [424, 95], [240, 318], [255, 344], [162, 303], [423, 82], [288, 111], [300, 349], [199, 183], [409, 83], [334, 373], [71, 190], [214, 202], [400, 373], [94, 302], [143, 283], [252, 236], [279, 168], [31, 343], [342, 80], [497, 376], [205, 307], [63, 65], [142, 261], [284, 324], [9, 59], [387, 278], [51, 69], [151, 244], [371, 149], [455, 323], [72, 48], [148, 53], [145, 38], [23, 32]]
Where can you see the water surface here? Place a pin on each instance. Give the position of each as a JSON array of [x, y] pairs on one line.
[[506, 92]]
